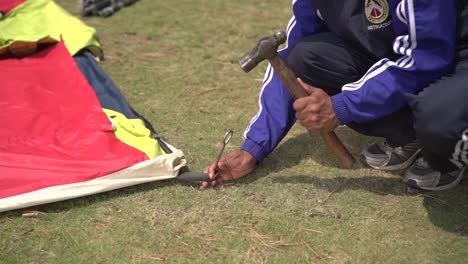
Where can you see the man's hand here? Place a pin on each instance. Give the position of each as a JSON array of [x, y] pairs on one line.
[[315, 112], [231, 166]]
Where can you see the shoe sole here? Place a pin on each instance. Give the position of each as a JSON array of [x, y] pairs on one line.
[[396, 167]]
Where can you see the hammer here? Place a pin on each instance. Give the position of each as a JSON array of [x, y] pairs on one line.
[[267, 49]]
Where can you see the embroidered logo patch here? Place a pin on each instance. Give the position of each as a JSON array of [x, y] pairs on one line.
[[377, 11]]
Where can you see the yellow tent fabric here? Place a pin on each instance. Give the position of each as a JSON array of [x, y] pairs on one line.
[[45, 21], [133, 132]]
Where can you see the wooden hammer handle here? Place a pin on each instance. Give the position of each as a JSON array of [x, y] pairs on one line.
[[288, 78]]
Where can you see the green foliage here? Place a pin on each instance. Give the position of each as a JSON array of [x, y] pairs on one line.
[[176, 62]]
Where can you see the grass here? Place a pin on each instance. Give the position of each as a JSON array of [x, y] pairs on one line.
[[176, 62]]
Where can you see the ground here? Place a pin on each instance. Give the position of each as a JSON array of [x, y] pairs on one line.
[[176, 62]]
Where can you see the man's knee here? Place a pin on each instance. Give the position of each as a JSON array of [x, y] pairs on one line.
[[303, 59], [441, 110], [324, 62]]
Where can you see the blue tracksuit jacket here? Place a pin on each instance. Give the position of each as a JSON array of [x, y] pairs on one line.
[[421, 51]]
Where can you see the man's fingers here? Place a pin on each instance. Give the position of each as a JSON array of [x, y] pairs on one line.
[[300, 104], [310, 102], [204, 185], [232, 165], [224, 170], [308, 112], [217, 181], [212, 173], [223, 165]]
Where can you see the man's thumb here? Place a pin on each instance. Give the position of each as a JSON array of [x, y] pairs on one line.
[[307, 88]]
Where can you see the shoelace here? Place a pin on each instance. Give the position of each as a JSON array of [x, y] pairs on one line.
[[405, 151], [422, 163]]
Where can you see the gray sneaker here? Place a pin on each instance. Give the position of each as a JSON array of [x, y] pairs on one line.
[[421, 176], [381, 156]]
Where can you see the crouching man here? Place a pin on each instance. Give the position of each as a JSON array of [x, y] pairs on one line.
[[395, 69]]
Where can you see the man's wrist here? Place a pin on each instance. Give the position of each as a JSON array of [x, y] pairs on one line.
[[340, 108], [249, 158], [255, 150]]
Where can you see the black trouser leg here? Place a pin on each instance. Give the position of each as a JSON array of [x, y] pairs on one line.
[[325, 61], [441, 119]]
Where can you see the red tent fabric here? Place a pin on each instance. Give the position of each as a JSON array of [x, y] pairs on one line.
[[53, 130], [7, 5]]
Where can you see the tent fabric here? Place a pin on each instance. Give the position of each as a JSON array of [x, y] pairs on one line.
[[134, 133], [7, 5], [132, 128], [43, 21], [106, 91], [161, 168], [57, 142]]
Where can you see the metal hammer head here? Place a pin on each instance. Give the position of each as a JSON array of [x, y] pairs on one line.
[[266, 48]]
